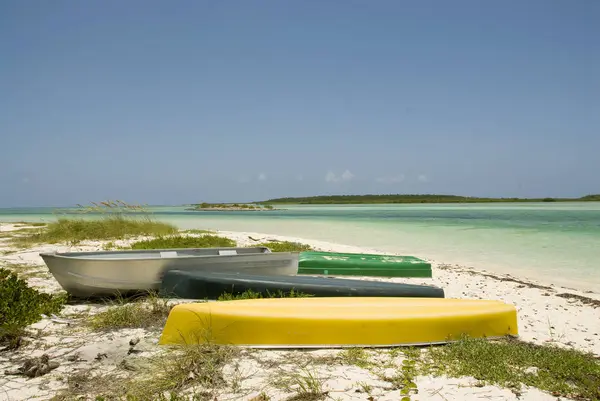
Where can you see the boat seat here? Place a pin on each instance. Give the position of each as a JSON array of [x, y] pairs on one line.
[[227, 252]]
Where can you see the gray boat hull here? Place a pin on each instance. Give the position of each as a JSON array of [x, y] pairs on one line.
[[108, 273]]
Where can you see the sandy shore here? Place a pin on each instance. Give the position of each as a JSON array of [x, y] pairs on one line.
[[547, 314]]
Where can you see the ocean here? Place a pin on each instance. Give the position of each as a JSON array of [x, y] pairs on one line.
[[557, 243]]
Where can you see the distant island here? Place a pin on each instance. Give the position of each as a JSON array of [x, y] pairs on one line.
[[426, 198], [231, 207]]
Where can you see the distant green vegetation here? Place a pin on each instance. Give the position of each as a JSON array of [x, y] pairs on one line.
[[230, 206], [425, 198], [177, 241], [118, 221]]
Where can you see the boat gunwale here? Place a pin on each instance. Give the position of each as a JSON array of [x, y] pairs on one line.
[[88, 255]]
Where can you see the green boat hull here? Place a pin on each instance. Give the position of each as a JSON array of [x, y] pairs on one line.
[[359, 264]]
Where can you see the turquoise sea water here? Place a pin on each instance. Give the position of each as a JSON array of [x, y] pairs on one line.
[[553, 242]]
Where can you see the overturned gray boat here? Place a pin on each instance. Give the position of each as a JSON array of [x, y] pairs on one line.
[[106, 273]]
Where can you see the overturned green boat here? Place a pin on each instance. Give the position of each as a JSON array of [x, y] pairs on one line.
[[212, 284], [360, 264]]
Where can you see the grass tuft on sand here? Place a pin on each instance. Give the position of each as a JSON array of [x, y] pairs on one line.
[[198, 231], [508, 363], [180, 241], [167, 376], [305, 384], [285, 246], [198, 366], [150, 312], [117, 220], [249, 294]]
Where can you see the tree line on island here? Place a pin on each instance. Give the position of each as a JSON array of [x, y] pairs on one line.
[[415, 198], [267, 205]]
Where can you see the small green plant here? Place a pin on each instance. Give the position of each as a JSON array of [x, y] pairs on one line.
[[306, 385], [21, 305], [178, 241], [407, 379], [250, 294], [145, 313], [364, 387], [285, 246], [109, 246], [403, 378], [356, 356]]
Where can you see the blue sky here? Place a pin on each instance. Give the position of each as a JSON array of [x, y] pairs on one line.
[[169, 102]]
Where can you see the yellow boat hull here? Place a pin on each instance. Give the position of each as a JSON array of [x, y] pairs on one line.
[[338, 322]]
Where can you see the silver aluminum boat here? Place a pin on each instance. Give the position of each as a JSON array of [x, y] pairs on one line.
[[106, 273]]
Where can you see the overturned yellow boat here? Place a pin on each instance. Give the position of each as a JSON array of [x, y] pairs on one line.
[[338, 322]]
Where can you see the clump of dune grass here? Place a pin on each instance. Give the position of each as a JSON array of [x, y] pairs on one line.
[[167, 376], [562, 372], [117, 220], [197, 367], [180, 241], [148, 312], [198, 231], [306, 384], [286, 246], [250, 294]]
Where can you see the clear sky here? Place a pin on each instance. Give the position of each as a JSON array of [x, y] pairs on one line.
[[170, 102]]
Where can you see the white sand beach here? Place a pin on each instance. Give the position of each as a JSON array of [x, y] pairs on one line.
[[546, 314]]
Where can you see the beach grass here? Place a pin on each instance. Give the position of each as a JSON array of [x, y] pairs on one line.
[[181, 241], [149, 312], [562, 372], [160, 377], [249, 294], [117, 220], [306, 384], [198, 231], [285, 246], [196, 366]]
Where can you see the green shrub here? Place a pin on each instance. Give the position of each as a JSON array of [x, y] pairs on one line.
[[21, 305], [178, 241]]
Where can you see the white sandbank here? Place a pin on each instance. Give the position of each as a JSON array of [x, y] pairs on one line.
[[545, 316]]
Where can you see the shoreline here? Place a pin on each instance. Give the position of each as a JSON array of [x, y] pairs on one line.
[[547, 314]]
